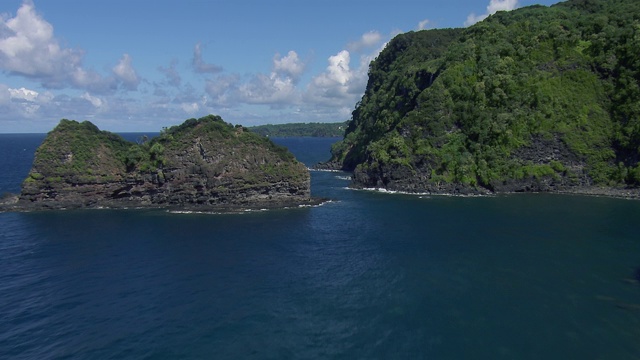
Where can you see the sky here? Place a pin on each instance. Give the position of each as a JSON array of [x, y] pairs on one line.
[[132, 65]]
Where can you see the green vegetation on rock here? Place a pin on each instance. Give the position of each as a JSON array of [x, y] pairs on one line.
[[79, 152], [538, 93], [202, 162]]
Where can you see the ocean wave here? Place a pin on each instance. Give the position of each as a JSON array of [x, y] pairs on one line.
[[422, 195], [343, 177], [301, 206], [387, 191], [325, 170]]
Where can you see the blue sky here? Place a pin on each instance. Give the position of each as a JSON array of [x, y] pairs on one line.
[[142, 65]]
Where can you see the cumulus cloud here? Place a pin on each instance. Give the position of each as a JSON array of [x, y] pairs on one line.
[[277, 89], [29, 48], [22, 102], [27, 45], [493, 7], [342, 84], [199, 65], [338, 71], [125, 73], [367, 40], [332, 86], [23, 94], [271, 89], [289, 65]]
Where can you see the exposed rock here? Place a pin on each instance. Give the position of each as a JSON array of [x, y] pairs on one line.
[[329, 165], [201, 164]]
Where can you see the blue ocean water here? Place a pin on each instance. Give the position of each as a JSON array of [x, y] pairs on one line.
[[368, 275]]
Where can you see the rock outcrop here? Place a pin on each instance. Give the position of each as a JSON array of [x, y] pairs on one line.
[[200, 165]]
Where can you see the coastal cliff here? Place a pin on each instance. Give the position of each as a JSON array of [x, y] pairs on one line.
[[201, 164], [536, 99]]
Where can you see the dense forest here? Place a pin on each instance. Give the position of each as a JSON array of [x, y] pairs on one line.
[[301, 129], [547, 94]]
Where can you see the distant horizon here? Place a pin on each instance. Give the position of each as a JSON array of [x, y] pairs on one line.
[[157, 131]]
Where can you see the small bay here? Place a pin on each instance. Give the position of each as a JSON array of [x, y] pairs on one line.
[[367, 275]]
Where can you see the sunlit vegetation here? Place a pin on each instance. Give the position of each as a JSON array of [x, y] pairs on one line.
[[460, 103], [78, 152]]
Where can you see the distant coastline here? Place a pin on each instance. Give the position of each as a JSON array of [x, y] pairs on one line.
[[301, 130]]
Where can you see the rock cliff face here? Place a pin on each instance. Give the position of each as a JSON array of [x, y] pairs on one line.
[[202, 164]]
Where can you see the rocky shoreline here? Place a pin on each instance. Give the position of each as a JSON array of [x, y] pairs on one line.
[[627, 194], [13, 203], [547, 186]]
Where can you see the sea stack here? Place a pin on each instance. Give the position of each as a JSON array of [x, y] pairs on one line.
[[201, 164]]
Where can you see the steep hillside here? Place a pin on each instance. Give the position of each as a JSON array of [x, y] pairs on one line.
[[536, 99], [203, 163]]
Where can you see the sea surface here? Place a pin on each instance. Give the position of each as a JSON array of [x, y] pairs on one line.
[[368, 275]]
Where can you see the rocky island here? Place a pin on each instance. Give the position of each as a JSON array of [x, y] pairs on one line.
[[539, 99], [202, 164]]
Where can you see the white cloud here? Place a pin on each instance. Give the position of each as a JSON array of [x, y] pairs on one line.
[[199, 65], [190, 108], [271, 89], [95, 101], [28, 48], [338, 70], [126, 74], [493, 7], [277, 89], [367, 40], [422, 25], [501, 5], [289, 65], [331, 88], [24, 102], [23, 94]]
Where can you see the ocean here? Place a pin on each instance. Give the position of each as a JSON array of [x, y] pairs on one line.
[[368, 275]]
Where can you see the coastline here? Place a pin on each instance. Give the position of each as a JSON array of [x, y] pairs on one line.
[[13, 203], [595, 191], [465, 191]]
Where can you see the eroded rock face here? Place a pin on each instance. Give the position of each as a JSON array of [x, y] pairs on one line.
[[203, 163]]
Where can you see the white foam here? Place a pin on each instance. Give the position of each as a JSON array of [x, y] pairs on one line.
[[422, 195], [387, 191], [325, 170]]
